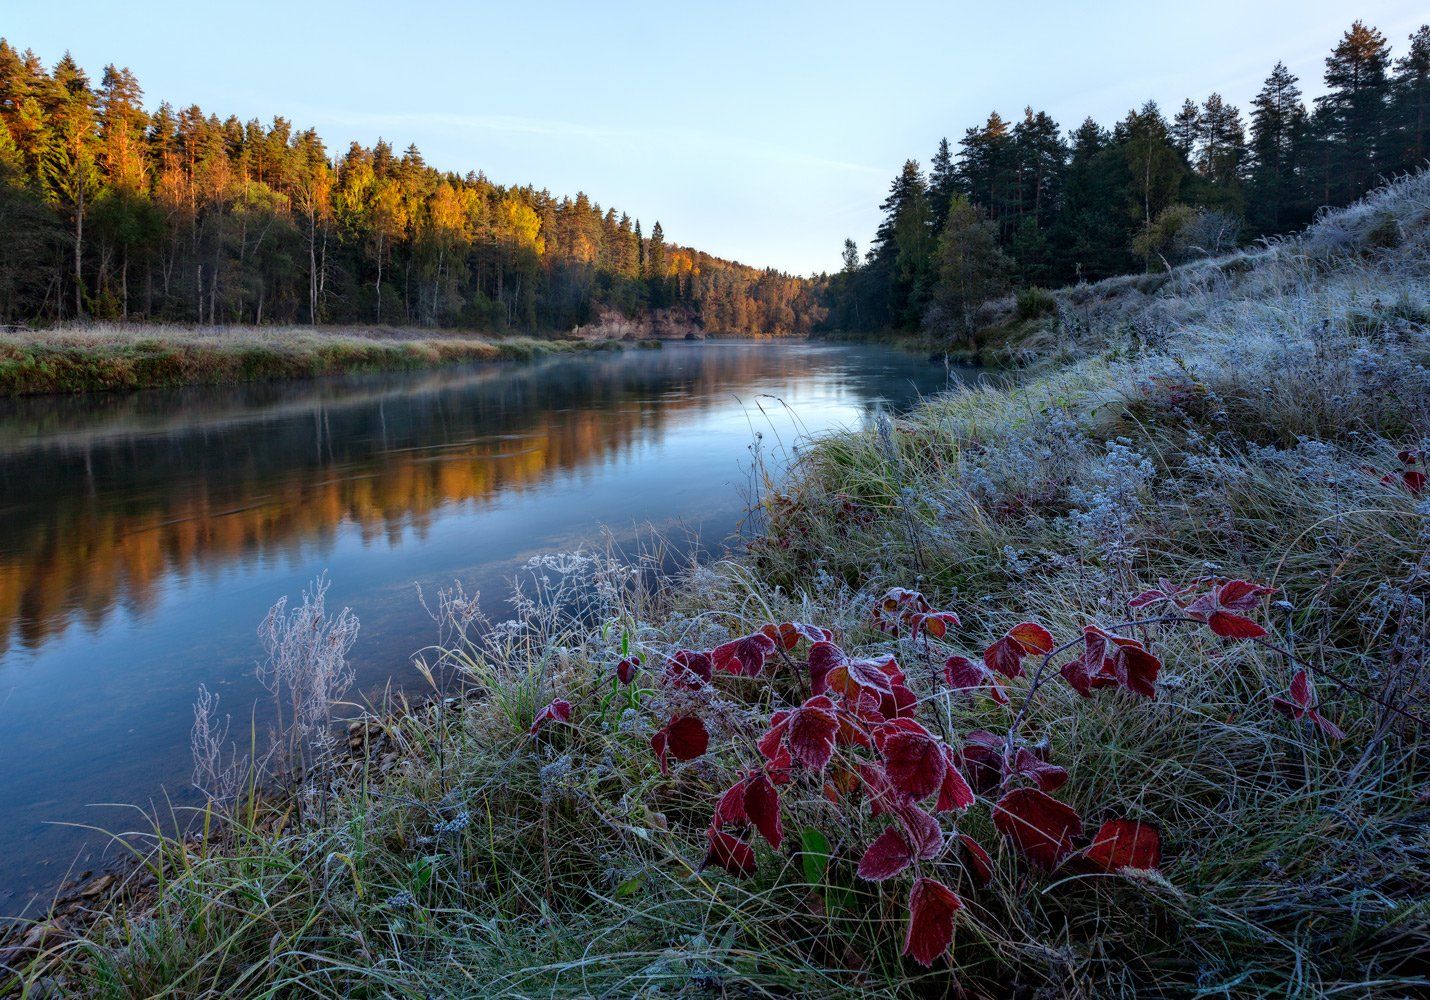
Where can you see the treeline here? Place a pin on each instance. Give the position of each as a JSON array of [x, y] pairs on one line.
[[110, 211], [1023, 204]]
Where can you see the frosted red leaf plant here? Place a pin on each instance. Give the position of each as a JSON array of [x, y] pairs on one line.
[[856, 738], [1303, 703], [558, 711]]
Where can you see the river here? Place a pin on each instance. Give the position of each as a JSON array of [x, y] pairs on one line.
[[143, 535]]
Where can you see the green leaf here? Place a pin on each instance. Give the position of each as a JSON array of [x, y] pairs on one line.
[[814, 851]]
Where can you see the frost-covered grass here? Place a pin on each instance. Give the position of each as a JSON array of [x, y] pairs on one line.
[[100, 356], [1238, 420]]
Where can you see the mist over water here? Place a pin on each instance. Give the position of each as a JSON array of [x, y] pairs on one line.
[[144, 535]]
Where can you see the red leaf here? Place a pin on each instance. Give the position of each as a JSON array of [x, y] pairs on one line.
[[1034, 639], [975, 859], [788, 634], [1027, 764], [744, 656], [730, 809], [626, 669], [913, 758], [1414, 481], [558, 711], [964, 674], [1133, 667], [689, 668], [935, 623], [808, 730], [1303, 704], [931, 908], [888, 855], [684, 738], [954, 793], [1239, 595], [730, 853], [1326, 726], [899, 703], [921, 829], [1230, 626], [1005, 656], [1126, 843], [982, 759], [1040, 827], [762, 803]]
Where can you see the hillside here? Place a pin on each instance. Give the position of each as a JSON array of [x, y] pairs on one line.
[[1199, 769]]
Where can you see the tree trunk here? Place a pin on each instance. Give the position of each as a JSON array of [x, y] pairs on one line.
[[79, 254]]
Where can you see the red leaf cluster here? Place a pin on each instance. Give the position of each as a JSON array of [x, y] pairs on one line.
[[877, 685], [902, 608], [745, 656], [1111, 660], [558, 711], [1303, 704], [1223, 608], [1408, 475], [1026, 639], [992, 763], [918, 763]]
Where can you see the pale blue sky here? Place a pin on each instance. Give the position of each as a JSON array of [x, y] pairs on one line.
[[766, 132]]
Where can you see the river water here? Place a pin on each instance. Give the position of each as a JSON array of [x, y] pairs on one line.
[[143, 535]]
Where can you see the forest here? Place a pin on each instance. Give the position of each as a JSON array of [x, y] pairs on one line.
[[116, 213], [1022, 205], [112, 212]]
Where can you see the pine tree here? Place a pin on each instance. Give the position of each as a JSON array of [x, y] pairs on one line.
[[1278, 126], [903, 247], [988, 171], [1411, 89], [943, 184], [655, 262], [1091, 234], [1356, 111], [1187, 129]]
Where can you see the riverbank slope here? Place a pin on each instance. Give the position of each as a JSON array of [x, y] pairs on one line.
[[1228, 797], [108, 356]]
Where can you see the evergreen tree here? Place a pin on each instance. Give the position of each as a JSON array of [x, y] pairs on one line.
[[1356, 111], [903, 247], [1187, 129], [943, 184], [1091, 235], [1278, 127], [1411, 89]]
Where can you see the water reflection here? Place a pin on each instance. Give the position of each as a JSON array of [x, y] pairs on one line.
[[144, 534]]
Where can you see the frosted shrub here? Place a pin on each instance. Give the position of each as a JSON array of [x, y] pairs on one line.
[[307, 673], [1107, 504], [218, 769]]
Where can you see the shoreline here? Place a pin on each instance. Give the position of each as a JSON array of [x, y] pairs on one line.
[[115, 357]]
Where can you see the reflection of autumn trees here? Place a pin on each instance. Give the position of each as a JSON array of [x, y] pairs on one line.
[[100, 514]]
